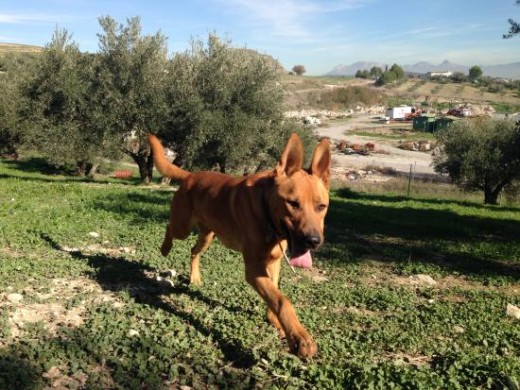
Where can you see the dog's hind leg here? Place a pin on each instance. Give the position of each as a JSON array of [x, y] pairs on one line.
[[180, 223], [203, 242]]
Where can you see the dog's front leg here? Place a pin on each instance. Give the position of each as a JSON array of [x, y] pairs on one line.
[[300, 342], [273, 270]]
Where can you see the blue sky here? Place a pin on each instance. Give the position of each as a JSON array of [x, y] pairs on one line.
[[317, 34]]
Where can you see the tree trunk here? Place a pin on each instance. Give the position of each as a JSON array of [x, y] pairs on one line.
[[491, 195], [81, 168], [222, 167], [93, 169], [144, 162]]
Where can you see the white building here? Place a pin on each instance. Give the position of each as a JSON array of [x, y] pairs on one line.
[[431, 75], [398, 112]]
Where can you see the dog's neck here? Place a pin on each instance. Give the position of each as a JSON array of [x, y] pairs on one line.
[[272, 232]]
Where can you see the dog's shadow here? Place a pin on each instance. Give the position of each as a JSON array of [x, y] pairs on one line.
[[119, 274]]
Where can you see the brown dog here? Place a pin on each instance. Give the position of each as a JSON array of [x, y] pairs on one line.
[[255, 215]]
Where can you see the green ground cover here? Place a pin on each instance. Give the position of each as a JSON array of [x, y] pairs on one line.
[[92, 313]]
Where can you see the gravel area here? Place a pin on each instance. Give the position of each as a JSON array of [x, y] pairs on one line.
[[385, 155]]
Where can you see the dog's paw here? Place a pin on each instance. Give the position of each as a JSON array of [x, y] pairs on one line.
[[166, 248], [196, 280], [302, 344]]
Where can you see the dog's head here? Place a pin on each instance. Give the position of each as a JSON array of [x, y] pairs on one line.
[[300, 200]]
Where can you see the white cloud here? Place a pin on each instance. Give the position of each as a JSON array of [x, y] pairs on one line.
[[289, 18], [30, 18]]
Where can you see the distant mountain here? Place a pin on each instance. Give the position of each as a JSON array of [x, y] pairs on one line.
[[350, 70], [507, 71], [511, 71], [444, 66]]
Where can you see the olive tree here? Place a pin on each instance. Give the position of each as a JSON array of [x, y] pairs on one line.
[[299, 69], [14, 70], [482, 154], [376, 72], [474, 73], [226, 108], [58, 111], [9, 100], [395, 74], [131, 79]]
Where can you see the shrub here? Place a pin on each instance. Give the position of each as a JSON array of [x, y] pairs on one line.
[[481, 154]]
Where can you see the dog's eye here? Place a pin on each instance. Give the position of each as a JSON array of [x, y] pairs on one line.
[[294, 204], [322, 206]]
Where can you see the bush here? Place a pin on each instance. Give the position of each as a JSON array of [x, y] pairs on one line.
[[481, 154], [341, 98], [226, 108]]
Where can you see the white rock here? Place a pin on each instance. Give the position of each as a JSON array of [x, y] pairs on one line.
[[124, 249], [423, 279], [93, 234], [14, 297], [66, 248], [458, 329], [513, 311], [133, 333]]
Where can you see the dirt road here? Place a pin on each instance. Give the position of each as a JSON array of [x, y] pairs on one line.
[[388, 156]]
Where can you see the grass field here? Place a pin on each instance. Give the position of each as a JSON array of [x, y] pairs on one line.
[[79, 309]]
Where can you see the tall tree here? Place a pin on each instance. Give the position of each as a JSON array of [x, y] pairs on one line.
[[299, 69], [57, 110], [514, 27], [481, 155], [132, 77], [226, 108], [362, 74], [398, 71], [376, 72], [474, 73], [395, 74], [10, 81]]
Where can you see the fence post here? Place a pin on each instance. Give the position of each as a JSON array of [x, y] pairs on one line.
[[409, 180]]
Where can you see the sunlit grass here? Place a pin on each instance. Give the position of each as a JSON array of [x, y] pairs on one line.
[[375, 325]]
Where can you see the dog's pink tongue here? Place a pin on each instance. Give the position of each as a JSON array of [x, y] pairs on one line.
[[303, 261]]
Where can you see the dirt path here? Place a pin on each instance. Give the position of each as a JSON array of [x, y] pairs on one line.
[[390, 156]]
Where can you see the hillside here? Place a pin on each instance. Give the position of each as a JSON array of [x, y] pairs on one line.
[[300, 92], [18, 48]]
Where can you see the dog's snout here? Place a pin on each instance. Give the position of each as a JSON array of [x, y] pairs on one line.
[[312, 241]]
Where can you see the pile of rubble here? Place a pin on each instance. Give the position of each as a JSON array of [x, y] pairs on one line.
[[468, 110], [315, 117], [421, 146], [355, 148], [343, 174]]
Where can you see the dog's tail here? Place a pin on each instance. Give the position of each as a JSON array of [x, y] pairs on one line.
[[161, 162]]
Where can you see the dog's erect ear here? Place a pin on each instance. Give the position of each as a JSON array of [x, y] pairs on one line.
[[321, 160], [292, 157]]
